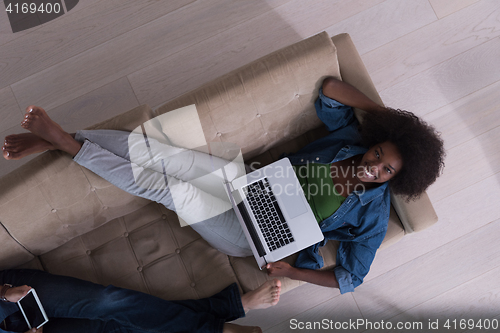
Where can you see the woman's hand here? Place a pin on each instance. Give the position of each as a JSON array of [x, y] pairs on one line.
[[14, 294], [34, 330], [279, 268]]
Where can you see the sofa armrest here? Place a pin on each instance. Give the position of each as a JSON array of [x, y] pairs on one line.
[[352, 68], [415, 215]]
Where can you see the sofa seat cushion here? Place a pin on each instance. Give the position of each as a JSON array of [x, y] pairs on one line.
[[147, 251]]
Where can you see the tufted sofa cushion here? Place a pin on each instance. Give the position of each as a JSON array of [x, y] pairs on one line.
[[147, 251]]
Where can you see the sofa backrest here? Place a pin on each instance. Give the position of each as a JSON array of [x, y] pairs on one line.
[[267, 102]]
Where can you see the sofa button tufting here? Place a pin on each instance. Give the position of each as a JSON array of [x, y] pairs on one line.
[[53, 210], [104, 207], [258, 115], [193, 284], [65, 226], [297, 95], [88, 252], [164, 216], [219, 134], [92, 189], [139, 269], [178, 251], [125, 234]]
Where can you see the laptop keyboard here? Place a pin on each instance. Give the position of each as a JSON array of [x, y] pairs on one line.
[[268, 214]]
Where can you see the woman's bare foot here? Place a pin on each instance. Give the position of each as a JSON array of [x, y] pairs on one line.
[[17, 146], [39, 123], [263, 297], [233, 328]]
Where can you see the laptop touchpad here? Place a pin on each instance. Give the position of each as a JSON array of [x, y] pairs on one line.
[[292, 204]]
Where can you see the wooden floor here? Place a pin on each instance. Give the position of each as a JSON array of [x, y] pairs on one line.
[[433, 57]]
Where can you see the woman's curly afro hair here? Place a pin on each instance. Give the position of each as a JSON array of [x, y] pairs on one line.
[[418, 143]]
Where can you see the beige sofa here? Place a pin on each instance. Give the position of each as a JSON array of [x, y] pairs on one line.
[[62, 218]]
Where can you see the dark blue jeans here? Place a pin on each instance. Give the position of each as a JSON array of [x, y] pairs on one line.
[[74, 305]]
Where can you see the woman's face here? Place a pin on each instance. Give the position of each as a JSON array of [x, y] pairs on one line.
[[379, 164]]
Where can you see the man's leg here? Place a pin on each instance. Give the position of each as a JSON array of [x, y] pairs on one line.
[[70, 325], [17, 323], [66, 297]]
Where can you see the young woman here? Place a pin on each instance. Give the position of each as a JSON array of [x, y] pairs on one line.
[[393, 148], [78, 306]]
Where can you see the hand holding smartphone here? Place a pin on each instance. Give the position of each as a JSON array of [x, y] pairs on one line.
[[32, 310]]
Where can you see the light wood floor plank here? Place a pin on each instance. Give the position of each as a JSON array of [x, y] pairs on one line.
[[384, 23], [437, 42], [235, 47], [72, 34], [482, 161], [309, 295], [459, 214], [5, 28], [339, 309], [134, 50], [483, 301], [447, 82], [11, 113], [433, 274], [98, 105], [468, 117], [322, 17], [445, 7], [6, 34]]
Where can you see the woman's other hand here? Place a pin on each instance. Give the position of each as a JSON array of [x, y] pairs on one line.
[[279, 268], [14, 294], [34, 330]]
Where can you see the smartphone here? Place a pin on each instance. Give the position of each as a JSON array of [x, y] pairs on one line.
[[32, 310]]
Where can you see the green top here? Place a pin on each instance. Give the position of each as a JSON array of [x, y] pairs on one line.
[[317, 184]]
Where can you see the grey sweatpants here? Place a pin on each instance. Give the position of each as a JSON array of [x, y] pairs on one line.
[[186, 181]]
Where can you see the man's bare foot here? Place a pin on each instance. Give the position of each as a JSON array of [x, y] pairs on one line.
[[263, 297], [17, 146], [39, 123], [233, 328]]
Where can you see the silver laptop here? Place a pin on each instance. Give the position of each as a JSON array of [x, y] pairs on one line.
[[273, 212]]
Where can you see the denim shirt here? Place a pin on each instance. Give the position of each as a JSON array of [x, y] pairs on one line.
[[361, 221]]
